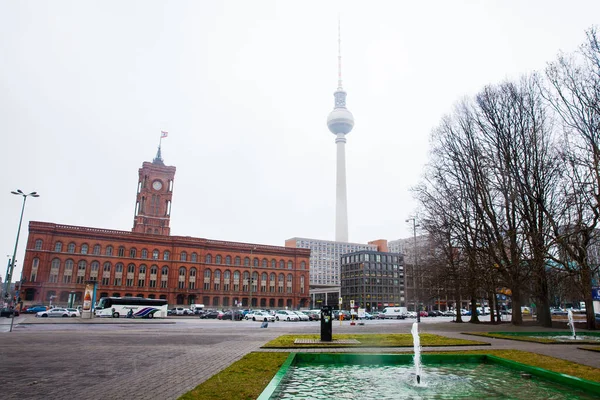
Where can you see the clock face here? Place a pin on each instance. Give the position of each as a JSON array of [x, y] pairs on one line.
[[157, 185]]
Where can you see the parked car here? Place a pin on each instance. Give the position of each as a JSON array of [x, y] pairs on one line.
[[8, 312], [234, 315], [35, 309], [558, 311], [286, 315], [54, 312], [301, 316], [74, 312], [260, 316], [312, 316], [212, 314]]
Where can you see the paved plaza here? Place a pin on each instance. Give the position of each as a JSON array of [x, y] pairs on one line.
[[163, 359]]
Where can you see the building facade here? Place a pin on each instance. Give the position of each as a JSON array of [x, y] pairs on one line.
[[148, 262], [372, 279]]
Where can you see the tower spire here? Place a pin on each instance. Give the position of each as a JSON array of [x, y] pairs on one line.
[[339, 54]]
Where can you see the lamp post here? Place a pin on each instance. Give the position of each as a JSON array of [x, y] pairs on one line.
[[251, 272], [12, 264], [415, 269]]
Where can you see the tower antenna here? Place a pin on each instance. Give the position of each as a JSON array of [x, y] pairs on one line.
[[339, 53]]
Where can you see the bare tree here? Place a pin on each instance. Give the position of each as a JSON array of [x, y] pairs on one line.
[[574, 93]]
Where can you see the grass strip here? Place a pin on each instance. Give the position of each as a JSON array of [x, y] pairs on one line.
[[371, 340], [248, 377], [525, 338], [244, 379]]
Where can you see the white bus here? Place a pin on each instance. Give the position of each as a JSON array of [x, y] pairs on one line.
[[141, 308]]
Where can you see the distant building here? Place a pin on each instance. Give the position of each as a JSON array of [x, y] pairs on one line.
[[148, 262], [372, 279], [325, 258]]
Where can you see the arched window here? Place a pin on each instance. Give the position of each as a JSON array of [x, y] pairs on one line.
[[119, 267], [121, 251], [303, 265], [164, 277], [54, 267], [217, 280], [38, 244], [207, 273], [81, 266], [290, 280], [218, 259], [144, 253], [34, 269], [97, 250], [181, 281], [227, 275], [273, 263], [68, 272], [272, 277], [281, 264], [107, 267], [109, 250], [247, 261], [263, 282], [192, 280], [255, 262], [237, 261], [71, 248], [194, 257], [290, 265], [142, 269], [154, 270], [193, 272], [131, 268], [84, 249], [94, 267], [264, 263], [166, 255], [228, 260], [301, 283], [132, 253], [58, 247], [183, 256], [155, 254], [208, 259]]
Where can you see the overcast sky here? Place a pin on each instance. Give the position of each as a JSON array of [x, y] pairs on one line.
[[244, 89]]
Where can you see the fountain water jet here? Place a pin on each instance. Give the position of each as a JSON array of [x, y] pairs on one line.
[[571, 323], [417, 350]]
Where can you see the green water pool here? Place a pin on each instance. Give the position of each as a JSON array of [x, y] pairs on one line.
[[392, 377]]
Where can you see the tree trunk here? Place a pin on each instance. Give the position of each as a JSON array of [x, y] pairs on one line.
[[586, 283], [517, 316], [474, 318]]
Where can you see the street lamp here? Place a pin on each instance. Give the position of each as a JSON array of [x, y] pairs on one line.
[[416, 284], [251, 279], [12, 264]]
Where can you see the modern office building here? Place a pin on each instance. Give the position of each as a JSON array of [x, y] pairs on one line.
[[325, 256], [372, 280], [149, 262]]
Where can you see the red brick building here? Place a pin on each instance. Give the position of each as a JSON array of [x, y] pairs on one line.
[[148, 262]]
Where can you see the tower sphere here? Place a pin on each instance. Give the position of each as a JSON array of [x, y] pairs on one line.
[[340, 120]]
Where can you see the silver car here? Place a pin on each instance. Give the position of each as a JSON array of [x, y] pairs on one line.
[[54, 312]]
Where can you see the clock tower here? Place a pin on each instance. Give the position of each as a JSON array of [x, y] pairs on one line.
[[154, 194]]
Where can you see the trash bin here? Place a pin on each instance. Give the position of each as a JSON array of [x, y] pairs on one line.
[[326, 323]]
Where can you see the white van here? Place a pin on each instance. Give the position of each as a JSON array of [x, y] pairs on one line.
[[195, 307], [394, 312]]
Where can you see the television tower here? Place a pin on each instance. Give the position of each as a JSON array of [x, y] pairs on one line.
[[340, 122]]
